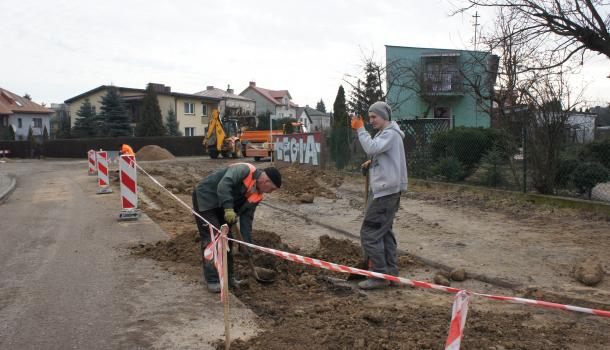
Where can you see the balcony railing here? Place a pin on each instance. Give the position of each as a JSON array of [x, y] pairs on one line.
[[443, 83]]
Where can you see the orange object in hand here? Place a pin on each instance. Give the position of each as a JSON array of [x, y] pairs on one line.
[[357, 123]]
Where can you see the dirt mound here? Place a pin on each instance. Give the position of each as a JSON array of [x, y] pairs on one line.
[[299, 181], [589, 272], [153, 152]]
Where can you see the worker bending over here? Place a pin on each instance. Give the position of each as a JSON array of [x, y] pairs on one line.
[[225, 196]]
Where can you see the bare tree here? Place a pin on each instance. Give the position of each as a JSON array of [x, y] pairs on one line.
[[568, 28], [549, 102]]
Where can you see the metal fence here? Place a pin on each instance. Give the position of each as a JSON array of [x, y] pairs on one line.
[[497, 158]]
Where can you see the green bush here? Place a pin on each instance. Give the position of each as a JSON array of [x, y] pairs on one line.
[[565, 171], [419, 163], [597, 151], [449, 169], [493, 163], [469, 145], [588, 175]]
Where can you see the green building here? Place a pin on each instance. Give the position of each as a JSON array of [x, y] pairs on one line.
[[441, 84]]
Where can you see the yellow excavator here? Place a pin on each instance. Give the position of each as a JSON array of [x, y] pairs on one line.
[[223, 137]]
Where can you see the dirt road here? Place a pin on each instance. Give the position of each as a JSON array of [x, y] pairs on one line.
[[69, 281]]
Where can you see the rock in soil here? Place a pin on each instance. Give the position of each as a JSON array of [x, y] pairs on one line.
[[589, 272], [458, 275], [306, 198], [439, 278]]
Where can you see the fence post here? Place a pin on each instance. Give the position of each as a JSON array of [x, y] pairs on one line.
[[524, 132]]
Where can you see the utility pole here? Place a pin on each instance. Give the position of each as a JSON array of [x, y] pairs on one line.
[[475, 25]]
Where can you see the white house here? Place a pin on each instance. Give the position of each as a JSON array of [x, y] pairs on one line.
[[312, 119], [21, 113], [232, 105], [582, 126]]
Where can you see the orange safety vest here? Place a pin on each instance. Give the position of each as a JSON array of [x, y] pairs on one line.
[[252, 195]]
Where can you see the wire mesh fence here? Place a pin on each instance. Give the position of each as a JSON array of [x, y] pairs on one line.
[[515, 160]]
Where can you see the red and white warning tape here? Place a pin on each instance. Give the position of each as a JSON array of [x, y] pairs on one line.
[[460, 306]]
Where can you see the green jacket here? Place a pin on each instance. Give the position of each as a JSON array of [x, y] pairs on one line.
[[225, 189]]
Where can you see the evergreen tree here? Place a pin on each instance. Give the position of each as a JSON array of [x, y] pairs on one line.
[[113, 118], [339, 139], [321, 107], [63, 128], [86, 123], [341, 118], [171, 124], [45, 134], [367, 91], [151, 121]]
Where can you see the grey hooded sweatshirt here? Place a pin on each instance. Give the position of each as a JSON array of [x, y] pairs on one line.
[[388, 170]]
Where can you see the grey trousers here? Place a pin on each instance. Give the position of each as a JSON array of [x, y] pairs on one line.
[[377, 239]]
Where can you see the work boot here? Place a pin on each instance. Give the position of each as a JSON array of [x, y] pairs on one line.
[[373, 283], [233, 283], [214, 287]]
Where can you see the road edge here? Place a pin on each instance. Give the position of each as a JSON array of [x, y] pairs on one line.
[[4, 193]]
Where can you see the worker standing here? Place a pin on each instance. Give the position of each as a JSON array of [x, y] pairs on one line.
[[226, 196], [388, 178]]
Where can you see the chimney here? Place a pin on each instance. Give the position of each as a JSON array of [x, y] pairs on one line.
[[210, 87], [229, 90], [252, 83]]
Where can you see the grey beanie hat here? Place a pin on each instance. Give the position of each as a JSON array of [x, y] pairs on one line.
[[381, 109]]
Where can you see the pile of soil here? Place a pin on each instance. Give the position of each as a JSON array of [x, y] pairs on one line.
[[298, 182], [153, 152]]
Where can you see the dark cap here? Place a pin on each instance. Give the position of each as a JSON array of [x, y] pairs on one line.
[[274, 175]]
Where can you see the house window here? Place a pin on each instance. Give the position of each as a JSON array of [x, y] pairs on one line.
[[189, 108], [281, 115], [38, 122], [189, 131], [442, 112], [19, 123], [204, 110]]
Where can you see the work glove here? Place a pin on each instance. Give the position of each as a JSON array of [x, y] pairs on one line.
[[230, 216], [357, 122], [365, 167]]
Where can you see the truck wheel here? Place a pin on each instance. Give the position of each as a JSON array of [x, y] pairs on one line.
[[213, 154], [257, 159], [225, 154], [238, 152]]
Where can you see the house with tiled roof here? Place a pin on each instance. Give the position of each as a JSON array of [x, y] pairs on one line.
[[20, 113], [278, 103], [192, 111], [232, 105]]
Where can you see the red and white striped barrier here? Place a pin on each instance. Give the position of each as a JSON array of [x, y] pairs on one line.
[[103, 180], [92, 162], [458, 321], [129, 188], [460, 306]]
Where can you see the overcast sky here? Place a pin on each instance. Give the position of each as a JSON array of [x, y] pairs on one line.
[[55, 50]]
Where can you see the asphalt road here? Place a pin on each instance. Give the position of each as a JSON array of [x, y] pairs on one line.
[[67, 280]]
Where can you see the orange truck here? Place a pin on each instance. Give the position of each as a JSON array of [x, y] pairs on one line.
[[258, 143]]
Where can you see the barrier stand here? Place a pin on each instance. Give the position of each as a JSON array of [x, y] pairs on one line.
[[129, 188], [92, 162], [224, 229], [103, 180]]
